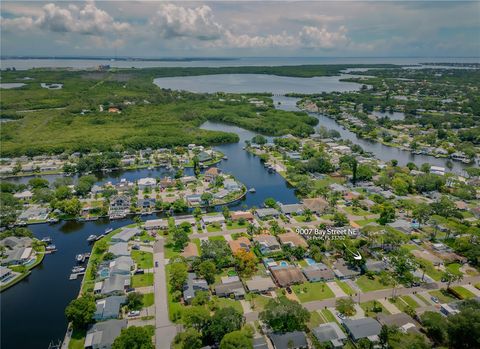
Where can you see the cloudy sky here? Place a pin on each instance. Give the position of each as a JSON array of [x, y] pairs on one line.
[[241, 28]]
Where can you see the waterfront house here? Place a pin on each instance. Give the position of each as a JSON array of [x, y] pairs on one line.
[[108, 308], [167, 182], [146, 203], [267, 243], [126, 234], [290, 209], [192, 285], [402, 321], [318, 272], [289, 340], [5, 274], [211, 219], [204, 157], [221, 194], [316, 205], [264, 213], [185, 219], [115, 285], [119, 206], [363, 328], [12, 242], [119, 249], [122, 265], [227, 289], [34, 213], [17, 256], [237, 215], [330, 333], [292, 239], [211, 174], [156, 224], [188, 179], [259, 284], [102, 334], [144, 183], [193, 199], [25, 195], [287, 275], [242, 243], [231, 185]]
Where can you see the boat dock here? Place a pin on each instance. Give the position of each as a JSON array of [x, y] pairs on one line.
[[74, 276]]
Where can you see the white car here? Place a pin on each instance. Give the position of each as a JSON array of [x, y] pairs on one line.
[[134, 313]]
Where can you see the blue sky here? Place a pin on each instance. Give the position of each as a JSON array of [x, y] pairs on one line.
[[233, 28]]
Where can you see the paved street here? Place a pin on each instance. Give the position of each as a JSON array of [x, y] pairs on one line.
[[165, 331]]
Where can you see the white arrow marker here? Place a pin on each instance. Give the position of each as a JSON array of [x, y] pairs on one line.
[[357, 256]]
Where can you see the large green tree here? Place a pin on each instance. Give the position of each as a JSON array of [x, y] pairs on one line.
[[134, 338], [284, 315], [80, 311]]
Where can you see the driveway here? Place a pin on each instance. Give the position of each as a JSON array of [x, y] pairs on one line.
[[165, 331], [337, 290]]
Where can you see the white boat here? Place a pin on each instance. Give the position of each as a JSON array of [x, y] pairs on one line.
[[80, 258], [51, 248], [47, 239], [92, 238], [108, 230], [78, 269], [225, 157], [99, 237], [252, 190]]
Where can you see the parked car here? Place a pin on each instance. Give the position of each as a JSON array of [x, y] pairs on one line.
[[434, 299], [134, 313], [341, 316], [139, 271], [289, 290], [135, 247], [156, 264]]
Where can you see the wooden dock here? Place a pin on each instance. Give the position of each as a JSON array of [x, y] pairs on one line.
[[74, 276]]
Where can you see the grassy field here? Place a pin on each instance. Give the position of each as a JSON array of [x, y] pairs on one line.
[[148, 299], [368, 308], [443, 296], [142, 280], [258, 302], [367, 285], [227, 302], [143, 259], [213, 229], [308, 292], [218, 238], [315, 320], [345, 287], [463, 292]]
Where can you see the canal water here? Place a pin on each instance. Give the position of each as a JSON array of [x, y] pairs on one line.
[[36, 305]]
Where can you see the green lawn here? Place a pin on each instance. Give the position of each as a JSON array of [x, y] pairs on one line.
[[345, 287], [368, 308], [146, 236], [364, 222], [148, 299], [315, 320], [142, 280], [227, 302], [356, 211], [143, 259], [408, 300], [443, 296], [213, 238], [236, 225], [454, 268], [367, 285], [197, 242], [303, 219], [78, 339], [212, 228], [422, 298], [308, 292], [327, 314], [463, 292], [258, 302]]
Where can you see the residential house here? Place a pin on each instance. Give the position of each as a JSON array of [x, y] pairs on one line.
[[25, 195], [290, 209], [204, 157], [318, 272], [343, 271], [185, 219], [119, 249], [363, 328], [402, 225], [210, 219], [211, 174], [292, 239], [287, 275], [231, 185], [5, 274], [144, 183], [156, 224], [402, 321], [375, 266], [338, 187], [259, 284], [34, 213], [115, 285], [122, 265], [230, 286], [315, 205], [242, 243], [267, 243], [167, 182], [102, 334], [237, 215], [289, 340], [192, 285], [330, 333], [264, 213], [146, 203], [119, 206], [19, 255], [194, 199], [108, 308], [125, 235]]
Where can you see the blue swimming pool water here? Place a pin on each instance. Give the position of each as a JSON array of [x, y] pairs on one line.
[[310, 261], [283, 263]]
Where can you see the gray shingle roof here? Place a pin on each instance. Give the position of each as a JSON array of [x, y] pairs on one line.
[[109, 308], [283, 341], [102, 334], [362, 328]]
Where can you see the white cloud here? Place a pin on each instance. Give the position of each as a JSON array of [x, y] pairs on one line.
[[88, 20], [172, 21], [314, 37]]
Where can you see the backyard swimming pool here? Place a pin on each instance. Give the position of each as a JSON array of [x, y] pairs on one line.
[[310, 261]]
